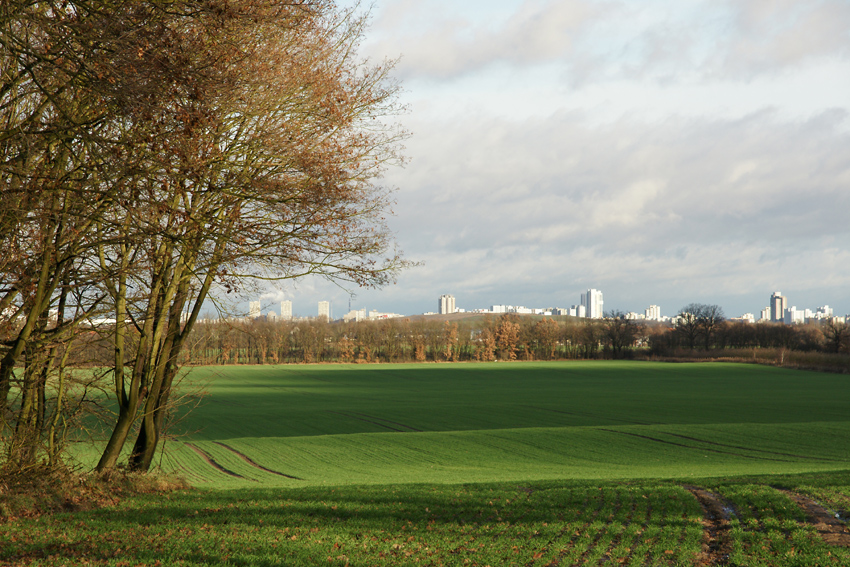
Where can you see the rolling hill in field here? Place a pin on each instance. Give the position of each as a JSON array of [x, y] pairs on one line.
[[375, 424]]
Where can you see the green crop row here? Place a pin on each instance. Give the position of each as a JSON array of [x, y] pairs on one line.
[[419, 525], [579, 523]]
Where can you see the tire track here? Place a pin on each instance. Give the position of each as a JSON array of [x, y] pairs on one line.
[[591, 415], [707, 449], [372, 421], [388, 421], [717, 543], [253, 463], [830, 528], [777, 453], [212, 462]]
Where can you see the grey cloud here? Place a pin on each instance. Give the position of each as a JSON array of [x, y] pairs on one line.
[[687, 202], [453, 46], [769, 34]]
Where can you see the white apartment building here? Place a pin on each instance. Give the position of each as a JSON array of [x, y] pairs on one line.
[[592, 301], [653, 313], [578, 310], [794, 315], [446, 304], [325, 309], [286, 310], [254, 309], [355, 315]]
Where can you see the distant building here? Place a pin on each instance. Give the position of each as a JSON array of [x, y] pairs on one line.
[[794, 316], [355, 315], [765, 314], [824, 312], [254, 309], [376, 315], [446, 304], [592, 301], [778, 306], [325, 310], [653, 313], [286, 310]]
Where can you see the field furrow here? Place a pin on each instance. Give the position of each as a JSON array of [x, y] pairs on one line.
[[253, 463]]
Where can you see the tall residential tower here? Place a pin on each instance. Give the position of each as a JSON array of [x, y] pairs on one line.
[[286, 309], [592, 301], [325, 310], [778, 305]]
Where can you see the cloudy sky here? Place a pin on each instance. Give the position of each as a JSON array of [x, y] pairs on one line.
[[662, 151]]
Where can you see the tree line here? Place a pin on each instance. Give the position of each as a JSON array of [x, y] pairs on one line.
[[505, 337], [484, 338], [489, 338]]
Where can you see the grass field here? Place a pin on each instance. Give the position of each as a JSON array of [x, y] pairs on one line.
[[588, 463], [503, 422]]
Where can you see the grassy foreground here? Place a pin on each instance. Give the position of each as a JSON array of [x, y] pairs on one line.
[[501, 464]]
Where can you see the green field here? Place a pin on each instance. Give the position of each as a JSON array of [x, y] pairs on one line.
[[377, 424], [583, 463]]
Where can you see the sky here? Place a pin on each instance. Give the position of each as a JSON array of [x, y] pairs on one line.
[[664, 152]]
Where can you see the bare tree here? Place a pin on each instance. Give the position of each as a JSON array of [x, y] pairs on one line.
[[697, 319], [620, 332], [836, 335], [688, 325], [710, 318]]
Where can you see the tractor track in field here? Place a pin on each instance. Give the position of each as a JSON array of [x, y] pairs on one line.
[[388, 421], [777, 453], [212, 462], [717, 543], [376, 421], [253, 463], [831, 530], [707, 449], [578, 414]]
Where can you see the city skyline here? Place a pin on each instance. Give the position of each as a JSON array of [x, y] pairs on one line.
[[591, 305]]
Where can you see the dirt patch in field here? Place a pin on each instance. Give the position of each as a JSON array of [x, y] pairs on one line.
[[717, 543], [831, 529]]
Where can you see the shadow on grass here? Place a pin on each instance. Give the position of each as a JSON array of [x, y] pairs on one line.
[[494, 524], [362, 525]]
